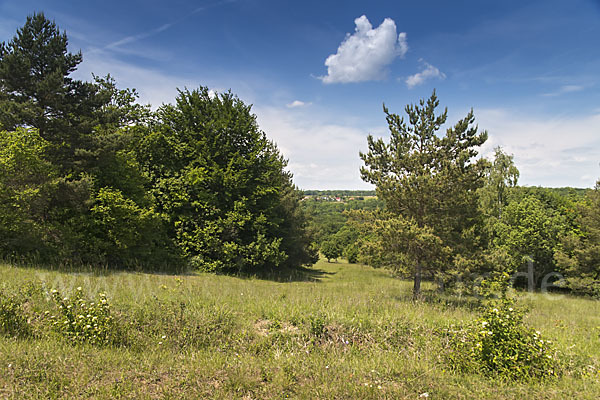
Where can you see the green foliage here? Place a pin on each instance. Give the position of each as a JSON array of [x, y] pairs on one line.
[[327, 218], [529, 230], [428, 180], [36, 90], [128, 232], [102, 180], [26, 182], [82, 321], [13, 320], [351, 252], [222, 185], [331, 249], [498, 344], [578, 252], [318, 326], [398, 243], [501, 175]]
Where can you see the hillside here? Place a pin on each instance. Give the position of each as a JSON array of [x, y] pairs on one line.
[[333, 331]]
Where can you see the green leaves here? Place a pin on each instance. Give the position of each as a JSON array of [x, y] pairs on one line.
[[529, 230], [578, 251], [222, 185], [81, 321], [498, 344]]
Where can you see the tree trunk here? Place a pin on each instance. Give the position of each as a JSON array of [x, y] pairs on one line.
[[417, 282]]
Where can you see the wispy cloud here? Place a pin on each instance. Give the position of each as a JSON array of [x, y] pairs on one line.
[[428, 72], [139, 36], [564, 90], [364, 55], [116, 45], [548, 151]]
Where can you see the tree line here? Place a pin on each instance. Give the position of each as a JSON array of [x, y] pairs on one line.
[[88, 175], [447, 215]]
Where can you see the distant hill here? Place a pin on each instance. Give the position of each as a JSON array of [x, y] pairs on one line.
[[339, 193], [562, 191]]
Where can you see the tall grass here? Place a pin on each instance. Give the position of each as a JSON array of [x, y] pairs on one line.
[[337, 331]]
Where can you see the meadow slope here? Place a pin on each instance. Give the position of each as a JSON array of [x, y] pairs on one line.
[[333, 331]]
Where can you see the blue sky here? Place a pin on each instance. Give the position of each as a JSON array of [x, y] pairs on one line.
[[317, 73]]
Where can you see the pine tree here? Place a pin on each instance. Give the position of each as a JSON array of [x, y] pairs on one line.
[[427, 181], [37, 92]]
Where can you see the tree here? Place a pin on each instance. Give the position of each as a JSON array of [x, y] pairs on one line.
[[331, 249], [428, 181], [501, 175], [398, 243], [529, 231], [578, 253], [230, 204], [36, 90], [92, 205], [26, 180]]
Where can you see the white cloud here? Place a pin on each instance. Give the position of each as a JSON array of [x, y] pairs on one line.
[[563, 151], [155, 87], [297, 104], [565, 89], [321, 154], [364, 55], [419, 78]]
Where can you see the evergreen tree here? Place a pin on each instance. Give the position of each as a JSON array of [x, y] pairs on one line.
[[428, 181], [37, 92]]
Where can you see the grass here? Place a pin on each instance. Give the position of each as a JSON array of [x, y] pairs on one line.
[[334, 331]]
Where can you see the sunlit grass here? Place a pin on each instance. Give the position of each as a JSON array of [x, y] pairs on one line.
[[336, 331]]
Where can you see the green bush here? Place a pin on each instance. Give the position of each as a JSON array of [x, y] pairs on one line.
[[317, 325], [498, 344], [351, 252], [13, 321], [331, 249], [82, 321]]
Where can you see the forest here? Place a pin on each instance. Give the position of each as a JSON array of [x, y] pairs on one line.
[[194, 195]]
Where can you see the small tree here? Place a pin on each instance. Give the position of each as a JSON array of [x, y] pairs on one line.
[[501, 175], [331, 249], [427, 180]]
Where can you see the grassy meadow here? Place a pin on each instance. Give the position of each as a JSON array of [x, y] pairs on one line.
[[334, 331]]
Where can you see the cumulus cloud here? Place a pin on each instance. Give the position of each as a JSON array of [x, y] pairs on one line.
[[429, 72], [363, 55], [296, 104]]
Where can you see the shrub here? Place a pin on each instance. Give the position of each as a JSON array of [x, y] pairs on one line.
[[351, 252], [13, 321], [331, 249], [317, 325], [499, 344], [82, 321]]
